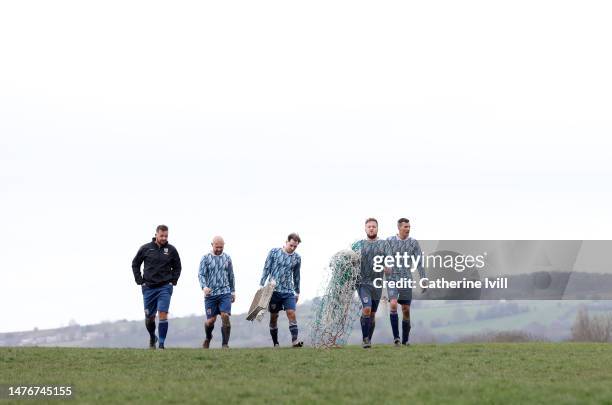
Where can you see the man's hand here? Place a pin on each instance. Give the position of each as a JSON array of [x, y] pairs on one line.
[[233, 297], [207, 291]]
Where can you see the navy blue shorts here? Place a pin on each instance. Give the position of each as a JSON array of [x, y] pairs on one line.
[[156, 299], [215, 304], [368, 296], [403, 295], [281, 302]]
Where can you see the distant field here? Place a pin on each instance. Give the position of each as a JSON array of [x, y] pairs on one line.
[[453, 373]]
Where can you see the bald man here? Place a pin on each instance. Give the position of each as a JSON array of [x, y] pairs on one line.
[[217, 282]]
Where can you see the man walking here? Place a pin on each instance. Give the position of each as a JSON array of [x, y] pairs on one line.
[[162, 269], [402, 244], [369, 294], [217, 282], [283, 266]]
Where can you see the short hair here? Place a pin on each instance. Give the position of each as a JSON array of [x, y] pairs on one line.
[[371, 220], [403, 221], [294, 236], [162, 228]]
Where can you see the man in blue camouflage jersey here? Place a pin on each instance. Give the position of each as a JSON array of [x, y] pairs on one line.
[[217, 282], [283, 267], [403, 244], [369, 295]]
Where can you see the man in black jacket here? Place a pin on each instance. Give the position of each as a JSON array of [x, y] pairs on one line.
[[162, 269]]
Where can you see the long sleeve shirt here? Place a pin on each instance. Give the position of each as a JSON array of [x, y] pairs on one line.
[[284, 268], [369, 249], [217, 273], [413, 249]]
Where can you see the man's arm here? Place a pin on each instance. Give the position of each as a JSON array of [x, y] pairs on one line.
[[392, 250], [202, 273], [419, 253], [136, 262], [296, 276], [176, 267], [388, 249], [230, 275], [267, 269]]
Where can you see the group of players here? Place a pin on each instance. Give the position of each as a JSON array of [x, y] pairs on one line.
[[162, 269], [369, 295]]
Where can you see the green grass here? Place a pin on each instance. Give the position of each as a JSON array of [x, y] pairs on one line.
[[454, 373]]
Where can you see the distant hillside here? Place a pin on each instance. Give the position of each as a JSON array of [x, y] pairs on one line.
[[433, 321]]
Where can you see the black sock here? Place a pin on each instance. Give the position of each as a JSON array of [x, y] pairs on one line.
[[394, 324], [405, 330], [293, 328], [150, 324], [225, 332], [274, 334], [372, 326], [209, 329], [365, 326]]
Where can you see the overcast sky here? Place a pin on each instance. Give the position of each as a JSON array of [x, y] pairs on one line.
[[475, 119]]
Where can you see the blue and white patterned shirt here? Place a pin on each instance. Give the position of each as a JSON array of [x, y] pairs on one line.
[[370, 249], [284, 268], [413, 249], [217, 273]]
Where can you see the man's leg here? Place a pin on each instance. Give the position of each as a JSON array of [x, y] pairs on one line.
[[150, 305], [366, 312], [293, 328], [274, 328], [211, 310], [225, 329], [289, 305], [150, 325], [163, 328], [405, 323], [372, 324], [209, 325], [274, 307], [373, 317], [225, 308], [394, 320], [163, 305]]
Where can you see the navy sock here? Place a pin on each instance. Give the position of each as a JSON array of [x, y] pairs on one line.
[[293, 328], [163, 330], [365, 326], [405, 330], [394, 324], [209, 329], [372, 326], [225, 334], [150, 324], [274, 334]]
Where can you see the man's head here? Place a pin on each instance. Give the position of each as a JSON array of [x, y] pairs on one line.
[[161, 235], [403, 227], [217, 245], [371, 228], [293, 240]]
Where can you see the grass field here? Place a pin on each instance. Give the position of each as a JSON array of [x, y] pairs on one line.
[[453, 373]]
